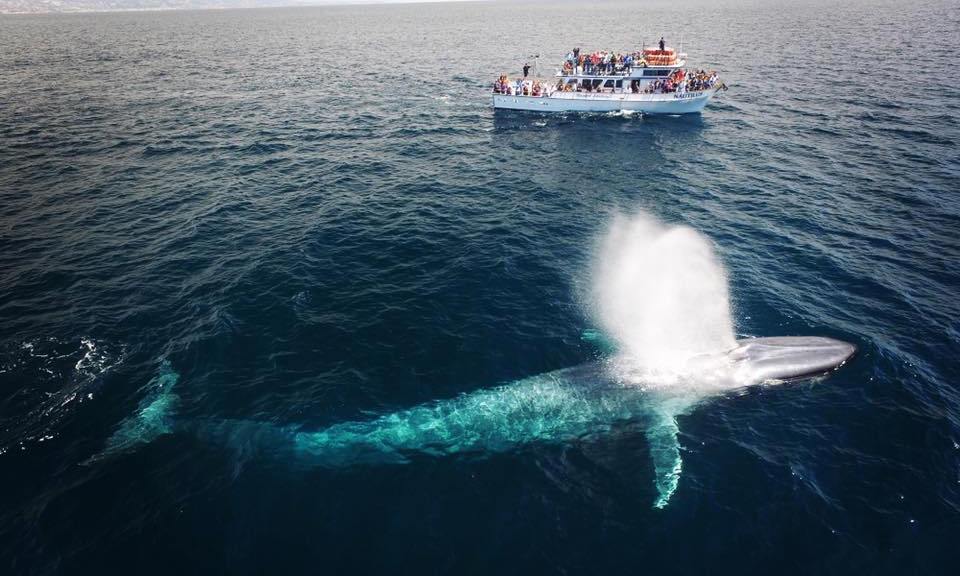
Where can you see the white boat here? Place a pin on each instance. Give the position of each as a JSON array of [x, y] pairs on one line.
[[651, 81]]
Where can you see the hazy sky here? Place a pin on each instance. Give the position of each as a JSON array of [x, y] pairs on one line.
[[87, 5]]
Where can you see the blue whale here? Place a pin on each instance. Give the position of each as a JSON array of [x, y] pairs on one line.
[[554, 407]]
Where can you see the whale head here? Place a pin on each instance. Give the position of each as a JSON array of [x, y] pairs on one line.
[[785, 358]]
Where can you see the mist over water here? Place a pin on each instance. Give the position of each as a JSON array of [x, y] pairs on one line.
[[660, 292]]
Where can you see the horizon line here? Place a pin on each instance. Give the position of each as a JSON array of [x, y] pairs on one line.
[[294, 4]]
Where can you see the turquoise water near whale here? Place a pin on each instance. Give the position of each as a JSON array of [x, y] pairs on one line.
[[309, 217]]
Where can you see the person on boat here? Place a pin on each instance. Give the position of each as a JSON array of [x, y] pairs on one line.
[[526, 69], [576, 52], [663, 45]]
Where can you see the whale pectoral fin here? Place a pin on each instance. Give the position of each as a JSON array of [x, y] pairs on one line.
[[148, 424], [665, 451], [153, 417]]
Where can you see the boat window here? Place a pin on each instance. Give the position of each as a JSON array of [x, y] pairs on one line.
[[608, 84]]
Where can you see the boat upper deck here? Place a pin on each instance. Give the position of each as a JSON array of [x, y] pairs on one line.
[[645, 63]]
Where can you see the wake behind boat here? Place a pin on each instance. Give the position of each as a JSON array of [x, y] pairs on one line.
[[649, 81]]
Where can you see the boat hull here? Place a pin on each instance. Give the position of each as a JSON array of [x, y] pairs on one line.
[[650, 104]]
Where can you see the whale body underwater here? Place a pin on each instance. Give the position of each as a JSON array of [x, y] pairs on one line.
[[561, 406], [661, 296]]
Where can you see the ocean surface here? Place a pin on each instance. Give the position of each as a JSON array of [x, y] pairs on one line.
[[222, 228]]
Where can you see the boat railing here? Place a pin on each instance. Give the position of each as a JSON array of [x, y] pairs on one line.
[[622, 72]]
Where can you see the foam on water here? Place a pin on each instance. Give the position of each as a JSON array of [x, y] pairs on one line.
[[64, 374]]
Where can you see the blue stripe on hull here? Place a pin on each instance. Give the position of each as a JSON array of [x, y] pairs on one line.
[[687, 105]]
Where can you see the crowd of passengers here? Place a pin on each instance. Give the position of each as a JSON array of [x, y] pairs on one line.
[[521, 87], [701, 80], [680, 81], [601, 63]]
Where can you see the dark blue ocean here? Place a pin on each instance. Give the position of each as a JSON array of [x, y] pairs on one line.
[[304, 217]]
